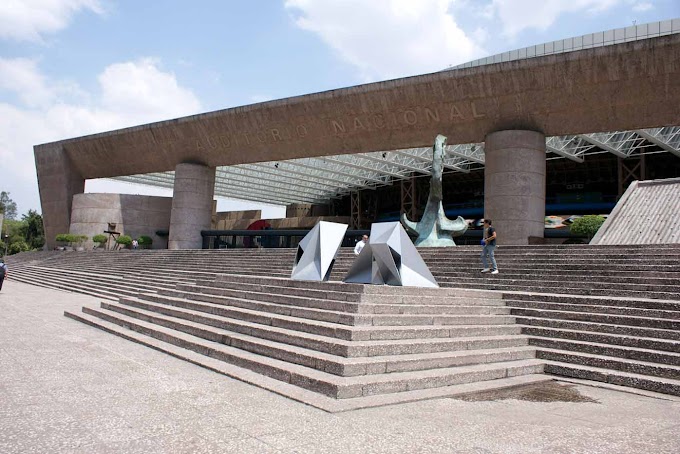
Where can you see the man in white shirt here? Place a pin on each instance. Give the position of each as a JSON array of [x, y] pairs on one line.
[[360, 245]]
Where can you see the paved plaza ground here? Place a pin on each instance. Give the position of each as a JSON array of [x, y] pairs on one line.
[[68, 388]]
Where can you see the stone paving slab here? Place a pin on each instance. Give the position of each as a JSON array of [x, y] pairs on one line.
[[68, 388]]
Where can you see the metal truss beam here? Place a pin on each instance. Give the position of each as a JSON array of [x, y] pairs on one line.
[[472, 152], [318, 164], [667, 138], [391, 156], [275, 186], [279, 177], [619, 143]]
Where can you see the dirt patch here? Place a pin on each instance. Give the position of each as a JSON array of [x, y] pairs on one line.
[[539, 392]]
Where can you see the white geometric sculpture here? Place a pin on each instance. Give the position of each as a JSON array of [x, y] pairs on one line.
[[390, 258], [316, 252]]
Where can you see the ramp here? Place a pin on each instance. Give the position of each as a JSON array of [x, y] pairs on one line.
[[646, 214]]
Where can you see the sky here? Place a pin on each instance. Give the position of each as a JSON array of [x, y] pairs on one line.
[[75, 67]]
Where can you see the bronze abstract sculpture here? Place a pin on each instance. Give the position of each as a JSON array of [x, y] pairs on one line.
[[434, 228]]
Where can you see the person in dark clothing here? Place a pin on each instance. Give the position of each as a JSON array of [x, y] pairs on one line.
[[3, 272], [489, 243]]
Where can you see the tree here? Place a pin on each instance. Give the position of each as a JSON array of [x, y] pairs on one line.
[[32, 229], [7, 206]]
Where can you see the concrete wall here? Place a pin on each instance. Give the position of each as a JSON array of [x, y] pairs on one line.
[[134, 215]]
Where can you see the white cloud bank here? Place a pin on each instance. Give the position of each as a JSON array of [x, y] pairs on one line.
[[28, 20], [385, 39], [130, 93], [519, 15], [388, 38]]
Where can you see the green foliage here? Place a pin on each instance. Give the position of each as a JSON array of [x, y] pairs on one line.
[[124, 240], [145, 241], [18, 246], [62, 238], [587, 225], [100, 238], [32, 229], [7, 206], [71, 238]]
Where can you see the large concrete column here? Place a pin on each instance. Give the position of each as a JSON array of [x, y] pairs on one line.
[[192, 202], [58, 182], [514, 184]]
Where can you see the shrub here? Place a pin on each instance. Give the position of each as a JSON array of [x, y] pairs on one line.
[[100, 238], [587, 225], [62, 238], [124, 240], [145, 241]]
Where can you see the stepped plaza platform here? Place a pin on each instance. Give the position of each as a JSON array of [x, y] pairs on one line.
[[608, 314], [69, 388]]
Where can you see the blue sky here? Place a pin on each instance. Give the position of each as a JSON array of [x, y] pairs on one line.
[[74, 67]]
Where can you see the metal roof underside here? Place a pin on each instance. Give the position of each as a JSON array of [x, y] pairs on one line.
[[318, 180]]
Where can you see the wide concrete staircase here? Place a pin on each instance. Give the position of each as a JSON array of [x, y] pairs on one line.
[[607, 314]]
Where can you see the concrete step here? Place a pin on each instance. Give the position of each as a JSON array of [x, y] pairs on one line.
[[330, 363], [644, 303], [300, 394], [620, 320], [357, 341], [537, 332], [319, 381], [614, 377], [283, 301], [524, 287], [647, 355], [595, 309], [596, 327]]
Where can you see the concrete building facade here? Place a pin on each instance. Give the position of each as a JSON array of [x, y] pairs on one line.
[[511, 104]]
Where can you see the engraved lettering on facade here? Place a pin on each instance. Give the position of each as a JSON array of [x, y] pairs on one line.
[[358, 124], [431, 115], [276, 135], [225, 141], [261, 136], [199, 147], [247, 137], [456, 114], [476, 114], [338, 127], [378, 121], [410, 117], [212, 142], [301, 131]]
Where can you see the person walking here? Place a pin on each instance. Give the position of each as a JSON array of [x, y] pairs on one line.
[[360, 245], [489, 243], [3, 272]]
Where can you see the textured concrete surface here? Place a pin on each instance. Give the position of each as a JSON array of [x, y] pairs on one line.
[[69, 388], [134, 215], [192, 205], [556, 94], [646, 214], [514, 185]]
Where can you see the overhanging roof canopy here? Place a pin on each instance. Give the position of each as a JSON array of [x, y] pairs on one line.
[[318, 180]]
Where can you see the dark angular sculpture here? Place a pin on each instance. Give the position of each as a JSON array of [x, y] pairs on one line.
[[435, 229]]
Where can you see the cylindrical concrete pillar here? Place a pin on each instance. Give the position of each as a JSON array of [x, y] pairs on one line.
[[514, 184], [192, 202]]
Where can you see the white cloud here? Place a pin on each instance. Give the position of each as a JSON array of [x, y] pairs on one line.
[[519, 15], [388, 38], [129, 94], [28, 20], [642, 6]]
